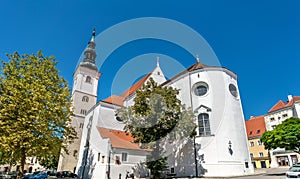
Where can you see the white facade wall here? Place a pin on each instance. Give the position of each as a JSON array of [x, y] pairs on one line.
[[106, 117], [226, 124], [226, 121], [80, 83], [275, 118], [297, 109]]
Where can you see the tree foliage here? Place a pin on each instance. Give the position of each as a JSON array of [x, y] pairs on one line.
[[157, 116], [285, 135], [35, 108]]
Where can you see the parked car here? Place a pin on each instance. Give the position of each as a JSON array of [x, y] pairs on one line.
[[63, 174], [293, 172], [4, 175], [51, 173], [36, 175]]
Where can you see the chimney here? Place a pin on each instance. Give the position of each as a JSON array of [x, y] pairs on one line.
[[290, 97]]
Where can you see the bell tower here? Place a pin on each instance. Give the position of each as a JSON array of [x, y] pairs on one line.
[[84, 97]]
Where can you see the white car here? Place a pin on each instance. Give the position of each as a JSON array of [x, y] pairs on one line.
[[293, 172]]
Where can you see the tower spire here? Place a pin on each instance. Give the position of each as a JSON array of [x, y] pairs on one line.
[[157, 61], [90, 53], [93, 35]]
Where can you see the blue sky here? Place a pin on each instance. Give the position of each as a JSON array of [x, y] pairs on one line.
[[258, 40]]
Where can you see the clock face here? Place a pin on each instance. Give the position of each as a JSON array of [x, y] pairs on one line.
[[200, 88], [233, 90]]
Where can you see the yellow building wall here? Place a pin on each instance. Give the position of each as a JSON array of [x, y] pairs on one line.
[[255, 148]]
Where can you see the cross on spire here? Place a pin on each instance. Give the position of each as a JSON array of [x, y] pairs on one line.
[[198, 58], [157, 61]]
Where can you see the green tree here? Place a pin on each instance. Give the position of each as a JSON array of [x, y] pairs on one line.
[[285, 135], [35, 108], [156, 118]]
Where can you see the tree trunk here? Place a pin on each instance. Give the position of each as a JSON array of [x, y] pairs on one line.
[[23, 159]]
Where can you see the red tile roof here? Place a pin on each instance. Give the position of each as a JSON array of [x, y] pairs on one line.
[[118, 100], [196, 66], [119, 139], [255, 126], [135, 86], [280, 104]]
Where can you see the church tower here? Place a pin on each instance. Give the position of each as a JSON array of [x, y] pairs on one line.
[[84, 97]]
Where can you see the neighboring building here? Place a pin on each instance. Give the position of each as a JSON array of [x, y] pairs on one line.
[[278, 113], [31, 165], [84, 97], [212, 94], [255, 127]]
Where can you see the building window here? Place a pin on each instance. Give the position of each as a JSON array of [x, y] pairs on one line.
[[75, 153], [246, 165], [81, 125], [259, 142], [233, 90], [203, 124], [273, 126], [117, 160], [258, 131], [124, 156], [103, 157], [99, 157], [200, 89], [284, 115], [279, 118], [251, 155], [261, 154], [83, 111], [118, 119], [88, 79], [158, 73], [272, 118], [250, 132], [85, 99], [251, 144]]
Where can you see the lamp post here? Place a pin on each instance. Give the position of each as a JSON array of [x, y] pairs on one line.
[[195, 154]]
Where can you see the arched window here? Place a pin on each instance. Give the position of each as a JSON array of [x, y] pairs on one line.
[[88, 79], [203, 123], [85, 99]]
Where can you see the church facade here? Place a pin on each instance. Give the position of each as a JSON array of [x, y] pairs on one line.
[[104, 150]]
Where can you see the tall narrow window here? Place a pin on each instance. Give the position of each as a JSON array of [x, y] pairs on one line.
[[81, 125], [85, 99], [203, 123], [117, 161], [88, 79], [261, 154], [83, 111], [99, 156], [124, 156], [75, 153]]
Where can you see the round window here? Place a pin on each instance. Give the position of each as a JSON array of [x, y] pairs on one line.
[[118, 119], [233, 90], [200, 89]]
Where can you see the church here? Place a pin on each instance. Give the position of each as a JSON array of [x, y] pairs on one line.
[[104, 150]]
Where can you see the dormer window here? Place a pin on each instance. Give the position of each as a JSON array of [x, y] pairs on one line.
[[88, 79], [258, 131]]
